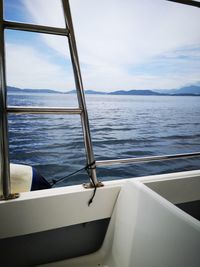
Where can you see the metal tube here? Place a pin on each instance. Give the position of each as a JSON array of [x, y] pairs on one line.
[[43, 110], [187, 2], [5, 167], [80, 91], [35, 28], [146, 159]]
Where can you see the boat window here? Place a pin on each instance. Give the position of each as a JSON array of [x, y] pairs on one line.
[[38, 12]]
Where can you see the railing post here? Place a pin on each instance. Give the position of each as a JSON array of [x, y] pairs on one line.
[[80, 93], [4, 151]]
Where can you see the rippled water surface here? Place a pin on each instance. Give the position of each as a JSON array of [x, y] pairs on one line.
[[121, 127]]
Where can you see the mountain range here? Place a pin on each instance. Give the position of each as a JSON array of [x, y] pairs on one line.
[[192, 90]]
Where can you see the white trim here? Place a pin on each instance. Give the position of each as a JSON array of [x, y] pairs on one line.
[[54, 208]]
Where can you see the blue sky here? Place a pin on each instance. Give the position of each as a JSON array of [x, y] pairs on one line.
[[132, 44]]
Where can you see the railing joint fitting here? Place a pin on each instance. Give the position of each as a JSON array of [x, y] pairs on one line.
[[91, 185], [10, 196]]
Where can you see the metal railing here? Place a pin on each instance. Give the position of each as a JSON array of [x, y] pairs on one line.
[[146, 159], [5, 168], [4, 110], [35, 28], [187, 2], [43, 110]]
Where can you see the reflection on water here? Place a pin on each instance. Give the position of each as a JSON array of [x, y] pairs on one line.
[[121, 127]]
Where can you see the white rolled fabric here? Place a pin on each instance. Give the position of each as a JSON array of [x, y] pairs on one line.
[[21, 178]]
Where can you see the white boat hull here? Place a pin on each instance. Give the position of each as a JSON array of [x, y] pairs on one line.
[[159, 224]]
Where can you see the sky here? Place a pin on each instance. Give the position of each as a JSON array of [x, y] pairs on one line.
[[122, 45]]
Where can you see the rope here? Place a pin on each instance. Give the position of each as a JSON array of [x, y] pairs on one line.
[[54, 182], [92, 166], [87, 168]]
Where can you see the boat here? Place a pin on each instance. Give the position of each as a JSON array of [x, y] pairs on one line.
[[141, 222]]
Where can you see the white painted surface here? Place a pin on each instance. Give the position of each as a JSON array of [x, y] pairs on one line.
[[145, 231], [53, 208], [178, 190]]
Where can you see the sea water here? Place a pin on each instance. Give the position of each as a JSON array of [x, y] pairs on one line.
[[121, 127]]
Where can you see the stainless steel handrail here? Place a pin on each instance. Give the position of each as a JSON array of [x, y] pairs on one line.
[[5, 168], [146, 159], [80, 93], [35, 28], [186, 2], [43, 110], [82, 110]]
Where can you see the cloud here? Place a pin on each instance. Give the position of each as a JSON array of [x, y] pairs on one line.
[[51, 14], [116, 79], [29, 68], [114, 37]]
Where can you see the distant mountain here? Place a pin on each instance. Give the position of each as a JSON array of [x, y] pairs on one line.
[[192, 90], [135, 92], [12, 89], [41, 91], [89, 92], [184, 94], [71, 92], [187, 90]]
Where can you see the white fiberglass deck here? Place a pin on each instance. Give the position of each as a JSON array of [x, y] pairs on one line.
[[147, 230]]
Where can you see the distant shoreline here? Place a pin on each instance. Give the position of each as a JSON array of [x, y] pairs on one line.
[[185, 91], [58, 93]]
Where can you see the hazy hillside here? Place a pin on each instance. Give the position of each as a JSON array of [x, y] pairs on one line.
[[12, 89], [134, 92], [193, 89], [188, 90]]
